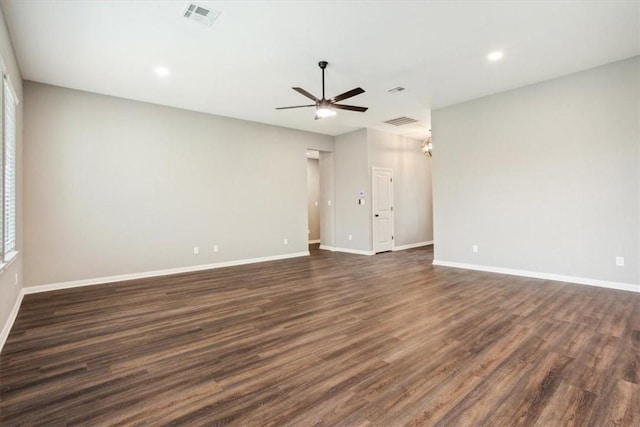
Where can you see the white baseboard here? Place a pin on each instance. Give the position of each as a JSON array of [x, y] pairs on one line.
[[346, 250], [311, 242], [361, 252], [354, 251], [412, 245], [547, 276], [12, 318], [146, 274]]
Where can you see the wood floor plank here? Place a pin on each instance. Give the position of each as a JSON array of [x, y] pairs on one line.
[[568, 406], [330, 339]]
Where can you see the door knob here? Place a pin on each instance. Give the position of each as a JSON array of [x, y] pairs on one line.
[[377, 215]]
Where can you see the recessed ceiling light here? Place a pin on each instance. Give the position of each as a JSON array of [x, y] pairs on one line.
[[495, 56], [162, 71]]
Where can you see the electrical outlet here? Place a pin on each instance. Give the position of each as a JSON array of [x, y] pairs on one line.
[[474, 248], [286, 241], [215, 248], [196, 250], [350, 237], [620, 261], [329, 203]]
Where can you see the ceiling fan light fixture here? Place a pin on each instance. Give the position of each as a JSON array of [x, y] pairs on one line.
[[325, 112]]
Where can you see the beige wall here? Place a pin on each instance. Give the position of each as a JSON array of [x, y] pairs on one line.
[[117, 187], [9, 286], [313, 196], [543, 178], [352, 177]]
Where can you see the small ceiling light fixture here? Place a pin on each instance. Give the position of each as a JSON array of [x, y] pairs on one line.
[[427, 146], [495, 56], [161, 71]]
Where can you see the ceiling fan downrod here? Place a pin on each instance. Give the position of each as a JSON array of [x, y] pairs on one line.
[[323, 65]]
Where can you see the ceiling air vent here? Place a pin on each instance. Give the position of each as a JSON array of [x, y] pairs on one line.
[[401, 121], [201, 14], [396, 89]]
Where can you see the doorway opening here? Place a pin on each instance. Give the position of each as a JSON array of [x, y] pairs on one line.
[[313, 199], [320, 200]]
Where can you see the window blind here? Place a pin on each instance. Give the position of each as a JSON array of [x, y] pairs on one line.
[[2, 138], [9, 168]]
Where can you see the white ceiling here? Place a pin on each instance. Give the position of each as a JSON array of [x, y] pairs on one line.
[[246, 63]]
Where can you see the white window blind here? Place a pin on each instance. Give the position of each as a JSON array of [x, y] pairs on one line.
[[2, 100], [10, 102]]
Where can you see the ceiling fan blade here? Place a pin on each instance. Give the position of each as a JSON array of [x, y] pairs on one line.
[[350, 108], [296, 106], [305, 93], [349, 94]]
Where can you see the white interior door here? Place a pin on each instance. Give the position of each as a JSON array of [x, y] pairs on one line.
[[382, 201]]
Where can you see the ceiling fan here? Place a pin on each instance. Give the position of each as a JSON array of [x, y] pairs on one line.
[[326, 107]]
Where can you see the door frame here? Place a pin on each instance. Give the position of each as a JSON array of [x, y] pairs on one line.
[[373, 205]]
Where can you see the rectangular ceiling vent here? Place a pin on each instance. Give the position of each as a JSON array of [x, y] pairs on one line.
[[401, 121], [396, 89], [201, 14]]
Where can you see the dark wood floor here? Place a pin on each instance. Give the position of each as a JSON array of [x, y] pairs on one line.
[[331, 339]]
